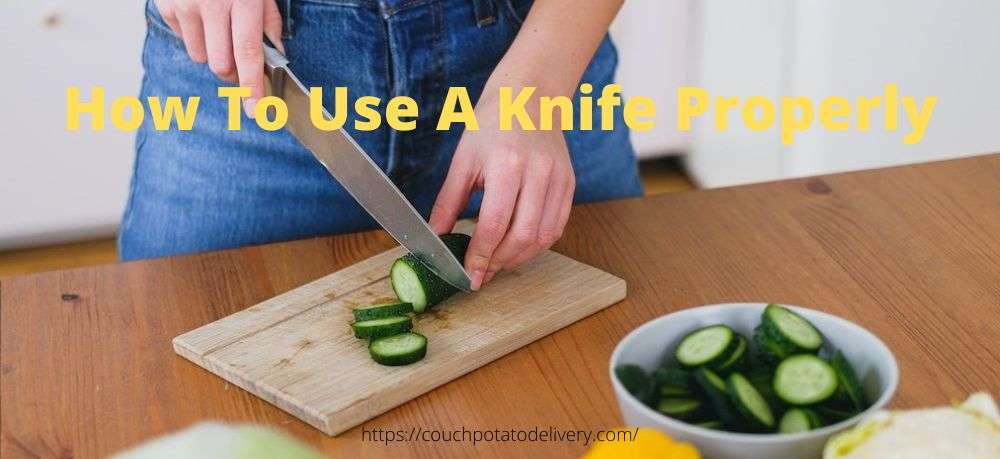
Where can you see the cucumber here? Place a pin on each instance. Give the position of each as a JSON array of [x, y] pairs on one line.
[[804, 379], [712, 425], [672, 376], [762, 381], [674, 391], [378, 328], [637, 382], [680, 408], [416, 284], [714, 389], [401, 349], [383, 310], [736, 359], [834, 414], [749, 403], [765, 351], [848, 387], [790, 331], [672, 380], [799, 420], [707, 346]]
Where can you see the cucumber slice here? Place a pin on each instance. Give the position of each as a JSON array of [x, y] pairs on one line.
[[790, 330], [378, 328], [680, 408], [849, 387], [672, 378], [834, 414], [383, 310], [416, 284], [636, 381], [706, 346], [401, 349], [736, 359], [674, 391], [714, 389], [749, 403], [799, 420], [766, 352], [804, 379], [713, 425]]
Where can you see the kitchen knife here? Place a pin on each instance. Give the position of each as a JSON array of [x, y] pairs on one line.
[[348, 163]]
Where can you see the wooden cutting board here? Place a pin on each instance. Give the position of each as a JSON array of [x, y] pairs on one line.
[[297, 350]]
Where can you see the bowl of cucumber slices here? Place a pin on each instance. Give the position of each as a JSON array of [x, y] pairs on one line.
[[752, 380]]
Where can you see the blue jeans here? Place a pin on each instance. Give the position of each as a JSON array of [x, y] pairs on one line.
[[211, 188]]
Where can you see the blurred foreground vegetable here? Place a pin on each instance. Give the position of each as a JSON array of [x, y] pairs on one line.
[[220, 441], [970, 430], [648, 444]]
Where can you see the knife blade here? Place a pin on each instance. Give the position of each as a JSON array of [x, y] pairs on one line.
[[347, 162]]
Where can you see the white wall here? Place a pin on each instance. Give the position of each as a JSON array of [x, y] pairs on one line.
[[57, 185], [948, 49], [654, 58]]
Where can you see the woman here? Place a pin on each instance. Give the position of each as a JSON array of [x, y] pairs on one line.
[[210, 188]]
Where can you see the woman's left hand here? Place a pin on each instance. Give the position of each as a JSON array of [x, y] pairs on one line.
[[528, 183]]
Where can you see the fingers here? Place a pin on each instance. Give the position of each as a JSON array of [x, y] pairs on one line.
[[166, 9], [558, 201], [502, 184], [192, 32], [454, 195], [272, 24], [248, 49], [521, 239], [218, 41]]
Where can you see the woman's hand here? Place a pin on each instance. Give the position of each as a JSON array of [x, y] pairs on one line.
[[528, 185], [228, 35]]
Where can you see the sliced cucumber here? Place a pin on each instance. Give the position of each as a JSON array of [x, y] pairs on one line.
[[749, 403], [834, 414], [799, 420], [765, 351], [401, 349], [680, 408], [637, 382], [849, 387], [762, 381], [713, 425], [804, 379], [378, 328], [790, 330], [674, 391], [714, 389], [672, 378], [706, 346], [736, 359], [416, 284], [383, 310]]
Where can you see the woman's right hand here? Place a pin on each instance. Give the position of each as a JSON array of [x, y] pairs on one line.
[[228, 35]]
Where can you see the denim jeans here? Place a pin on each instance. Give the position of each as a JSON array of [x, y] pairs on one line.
[[210, 188]]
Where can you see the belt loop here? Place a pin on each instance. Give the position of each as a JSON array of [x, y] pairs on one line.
[[286, 20], [486, 12]]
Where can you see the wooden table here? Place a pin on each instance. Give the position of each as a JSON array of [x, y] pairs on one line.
[[911, 253]]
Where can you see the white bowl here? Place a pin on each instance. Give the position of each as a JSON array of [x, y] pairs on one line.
[[647, 345]]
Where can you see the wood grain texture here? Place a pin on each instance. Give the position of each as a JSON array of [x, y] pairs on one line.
[[911, 253], [298, 352]]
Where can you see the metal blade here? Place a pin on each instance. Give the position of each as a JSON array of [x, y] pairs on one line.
[[363, 179]]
